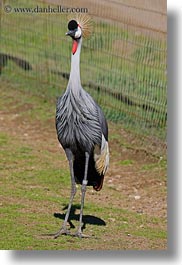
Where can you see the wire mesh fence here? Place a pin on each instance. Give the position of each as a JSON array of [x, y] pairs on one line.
[[123, 63]]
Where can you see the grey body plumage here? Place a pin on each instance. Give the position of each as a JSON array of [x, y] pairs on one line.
[[77, 122], [82, 131]]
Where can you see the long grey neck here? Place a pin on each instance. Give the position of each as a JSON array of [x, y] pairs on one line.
[[74, 82]]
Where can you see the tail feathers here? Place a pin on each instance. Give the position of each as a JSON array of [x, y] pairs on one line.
[[95, 179], [98, 186], [98, 164]]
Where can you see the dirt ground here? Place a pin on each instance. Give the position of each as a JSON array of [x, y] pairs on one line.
[[141, 189], [136, 179]]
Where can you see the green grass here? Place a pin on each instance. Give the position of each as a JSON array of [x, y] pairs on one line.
[[161, 164], [35, 182], [125, 162], [138, 73], [35, 185]]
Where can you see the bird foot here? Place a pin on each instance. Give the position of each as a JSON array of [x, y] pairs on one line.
[[81, 235], [62, 231]]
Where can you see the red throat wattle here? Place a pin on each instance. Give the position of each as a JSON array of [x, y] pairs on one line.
[[74, 47]]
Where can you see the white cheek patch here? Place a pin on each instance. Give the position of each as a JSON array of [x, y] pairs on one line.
[[78, 33]]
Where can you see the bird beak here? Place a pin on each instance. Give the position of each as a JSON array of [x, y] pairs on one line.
[[70, 33]]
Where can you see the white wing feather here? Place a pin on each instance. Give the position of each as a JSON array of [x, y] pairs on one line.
[[101, 156]]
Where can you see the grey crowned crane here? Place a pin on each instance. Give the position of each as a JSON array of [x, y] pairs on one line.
[[81, 128]]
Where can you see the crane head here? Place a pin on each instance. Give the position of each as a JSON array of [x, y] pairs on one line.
[[75, 32], [78, 27], [74, 29]]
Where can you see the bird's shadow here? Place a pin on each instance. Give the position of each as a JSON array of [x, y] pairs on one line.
[[87, 219]]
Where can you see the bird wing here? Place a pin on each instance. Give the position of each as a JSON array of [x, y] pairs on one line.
[[98, 111], [103, 123], [101, 156], [101, 152]]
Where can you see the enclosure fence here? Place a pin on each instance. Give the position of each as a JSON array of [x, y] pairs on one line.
[[123, 63]]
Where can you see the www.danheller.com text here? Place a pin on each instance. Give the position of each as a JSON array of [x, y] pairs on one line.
[[47, 9]]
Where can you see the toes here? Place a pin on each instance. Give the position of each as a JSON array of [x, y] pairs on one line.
[[62, 232], [81, 235]]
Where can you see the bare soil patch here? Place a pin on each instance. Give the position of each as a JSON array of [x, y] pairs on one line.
[[135, 182]]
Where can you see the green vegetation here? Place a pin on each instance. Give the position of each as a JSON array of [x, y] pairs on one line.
[[125, 162], [35, 186], [124, 71], [35, 181]]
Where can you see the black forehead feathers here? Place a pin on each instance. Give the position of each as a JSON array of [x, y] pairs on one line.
[[72, 25]]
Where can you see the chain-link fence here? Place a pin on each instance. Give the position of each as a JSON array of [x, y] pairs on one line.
[[123, 63]]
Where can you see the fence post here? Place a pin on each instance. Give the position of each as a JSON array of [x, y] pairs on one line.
[[0, 15], [1, 6]]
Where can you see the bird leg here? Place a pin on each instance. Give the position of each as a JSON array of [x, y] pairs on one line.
[[64, 230], [83, 190]]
